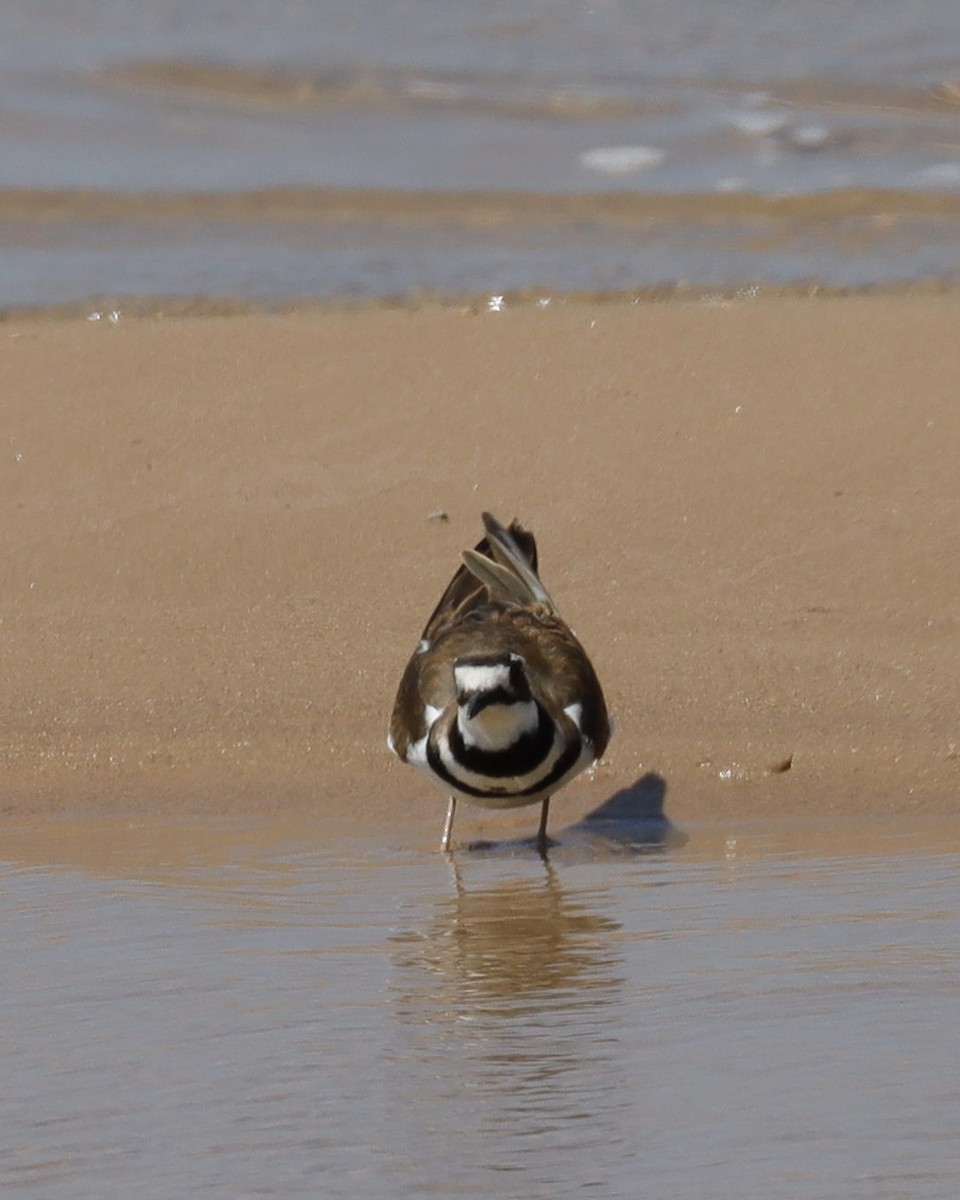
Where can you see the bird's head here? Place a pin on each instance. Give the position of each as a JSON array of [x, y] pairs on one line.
[[495, 706]]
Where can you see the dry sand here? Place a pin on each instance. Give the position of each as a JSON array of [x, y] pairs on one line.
[[218, 549]]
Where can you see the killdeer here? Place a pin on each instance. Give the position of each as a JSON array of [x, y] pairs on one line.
[[499, 701]]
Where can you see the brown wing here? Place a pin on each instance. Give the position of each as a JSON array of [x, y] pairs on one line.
[[563, 671]]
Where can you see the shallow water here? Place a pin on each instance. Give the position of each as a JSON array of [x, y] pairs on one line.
[[226, 1010], [811, 99]]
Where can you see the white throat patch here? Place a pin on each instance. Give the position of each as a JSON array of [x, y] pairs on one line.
[[498, 726]]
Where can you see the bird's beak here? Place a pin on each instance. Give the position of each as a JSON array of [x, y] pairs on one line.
[[475, 704]]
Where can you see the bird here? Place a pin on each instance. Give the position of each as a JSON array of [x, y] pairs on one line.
[[499, 702]]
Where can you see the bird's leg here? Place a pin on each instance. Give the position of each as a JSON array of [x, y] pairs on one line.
[[448, 825], [542, 841]]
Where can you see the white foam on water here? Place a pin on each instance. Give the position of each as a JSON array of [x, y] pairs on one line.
[[622, 160]]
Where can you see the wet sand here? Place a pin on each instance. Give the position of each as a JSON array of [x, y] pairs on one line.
[[220, 547]]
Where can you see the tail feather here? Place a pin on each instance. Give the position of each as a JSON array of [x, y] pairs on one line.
[[496, 578], [509, 571]]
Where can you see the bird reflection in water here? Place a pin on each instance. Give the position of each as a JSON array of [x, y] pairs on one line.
[[529, 942], [519, 943], [512, 1002], [508, 1001]]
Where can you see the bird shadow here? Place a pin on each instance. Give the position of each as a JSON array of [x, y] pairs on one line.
[[631, 821], [633, 818]]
